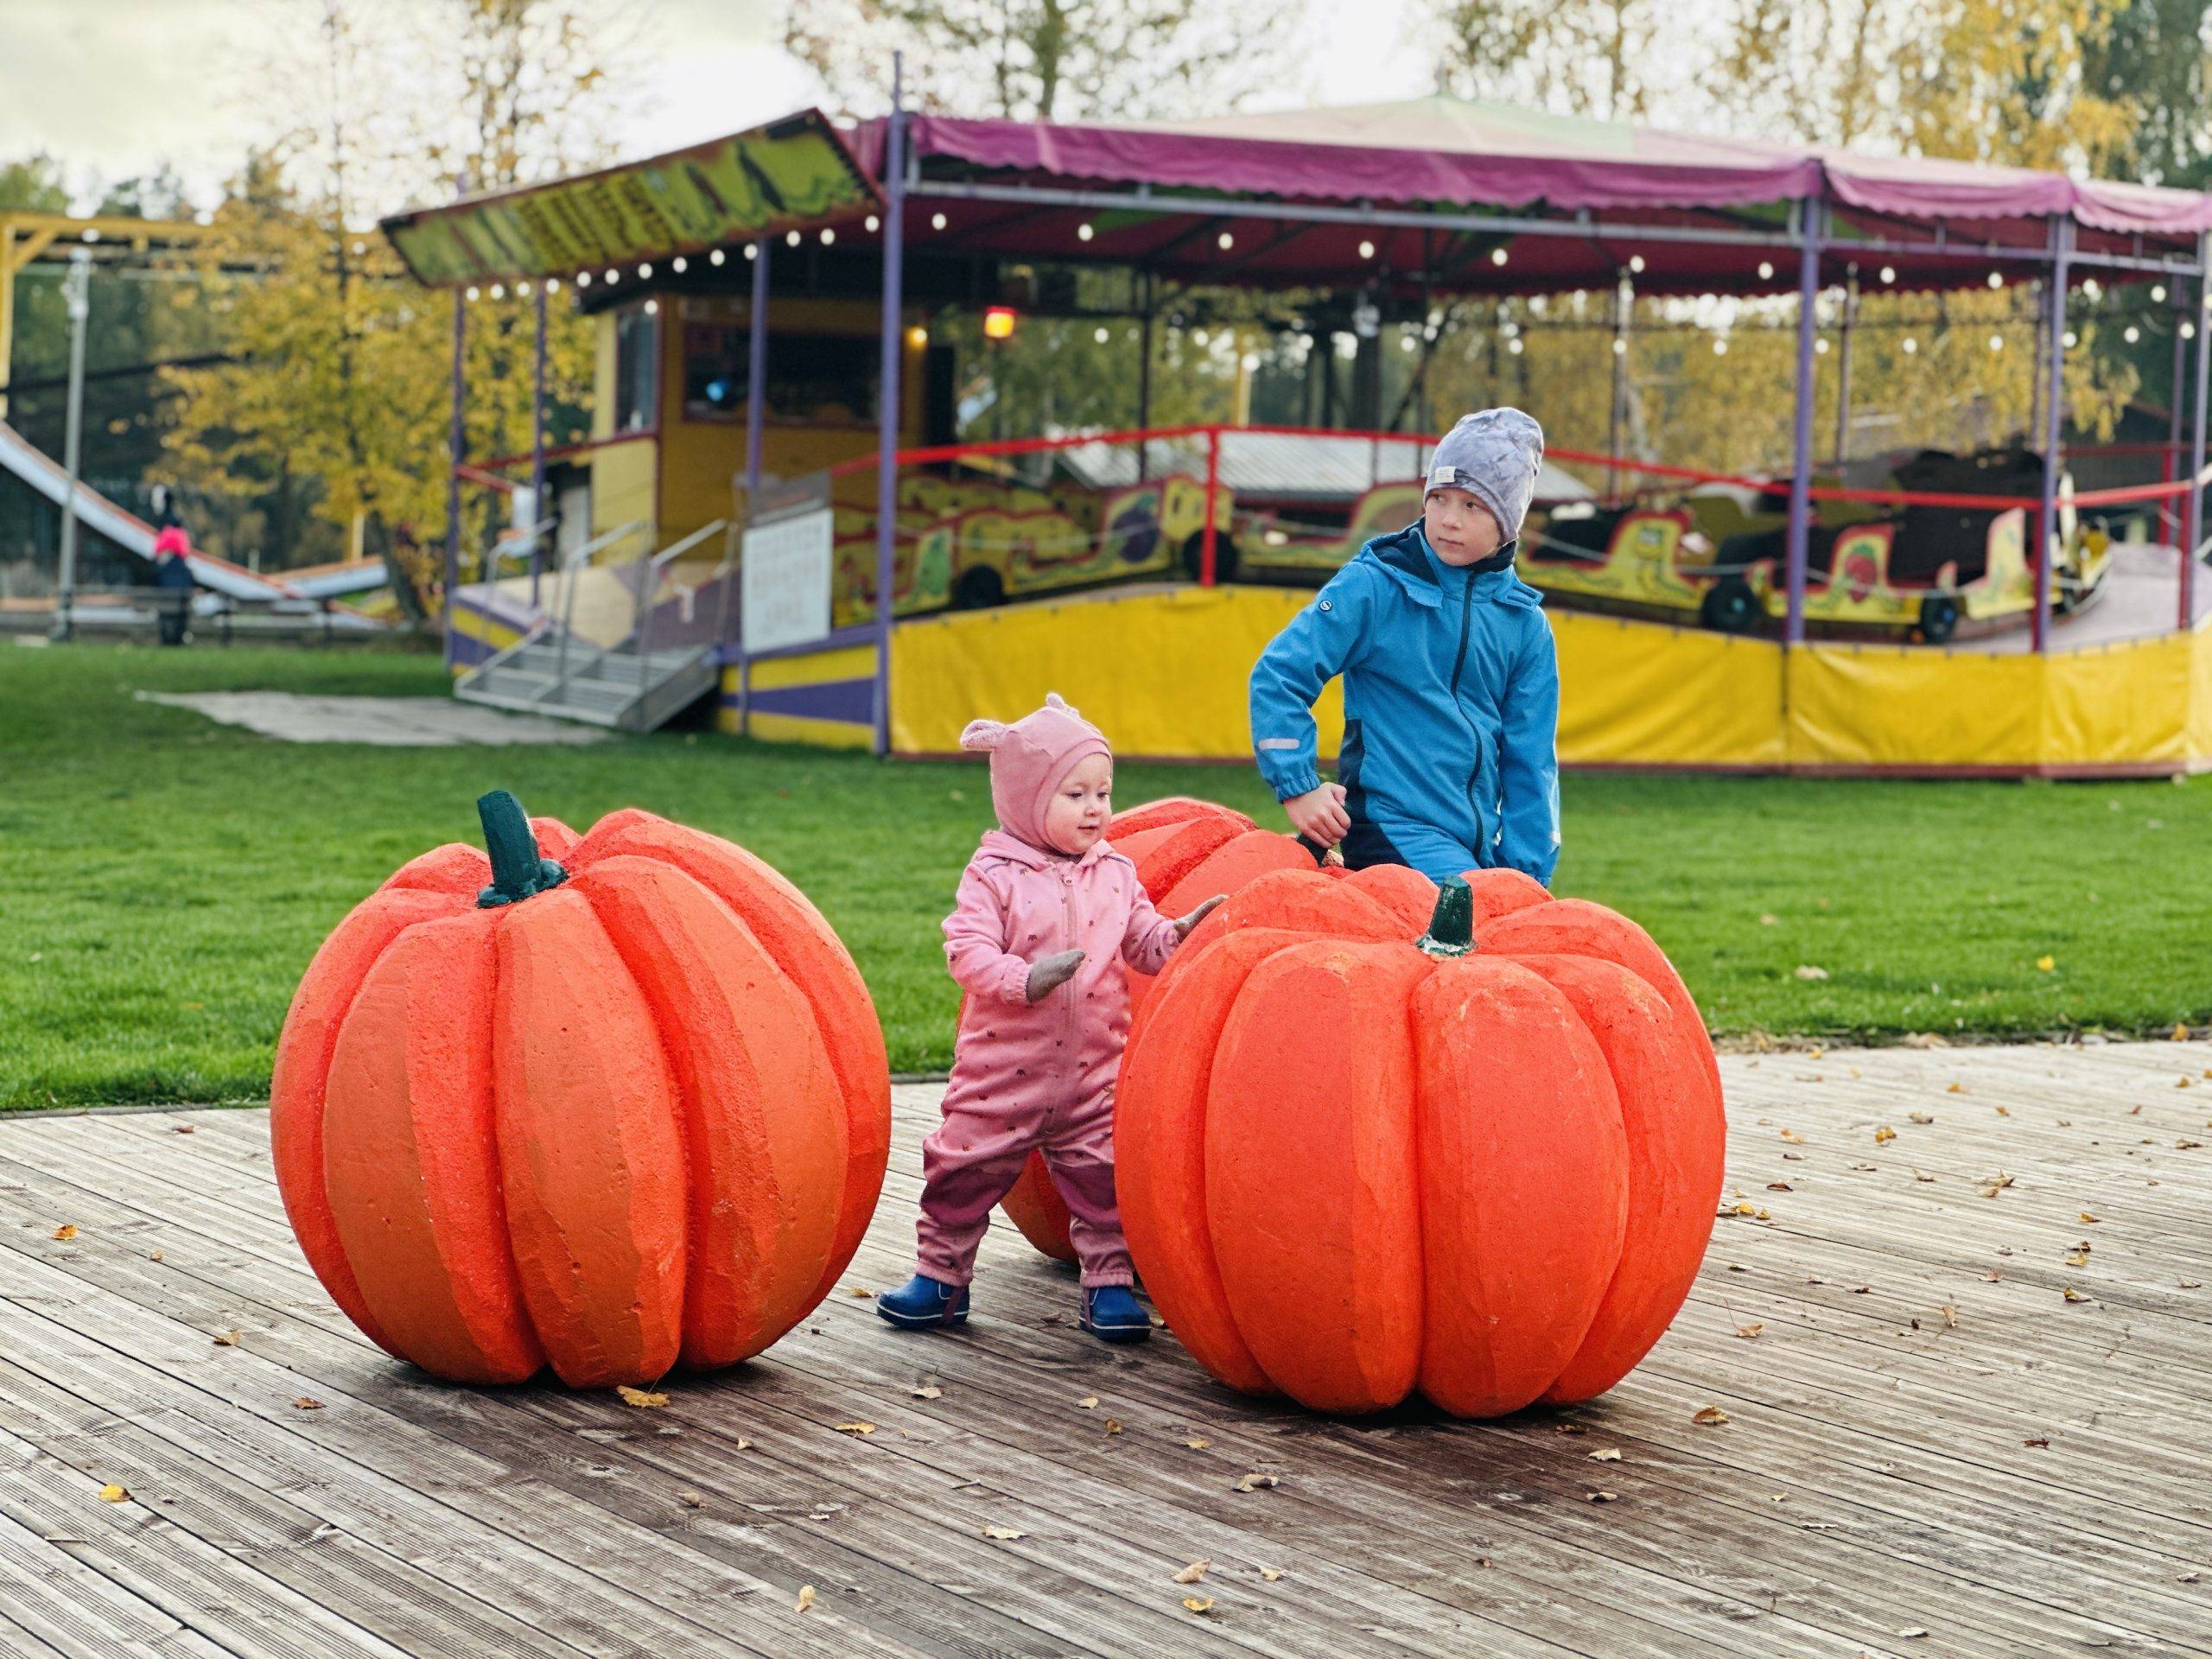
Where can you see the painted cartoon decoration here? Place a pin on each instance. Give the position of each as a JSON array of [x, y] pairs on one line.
[[609, 1104], [1480, 1164], [1182, 847]]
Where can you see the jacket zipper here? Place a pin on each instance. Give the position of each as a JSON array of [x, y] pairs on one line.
[[1466, 621], [1073, 1018]]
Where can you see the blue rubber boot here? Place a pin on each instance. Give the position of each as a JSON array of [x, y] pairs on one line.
[[922, 1302], [1112, 1314]]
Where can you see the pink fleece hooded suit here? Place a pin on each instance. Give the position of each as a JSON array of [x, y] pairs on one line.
[[1036, 1076]]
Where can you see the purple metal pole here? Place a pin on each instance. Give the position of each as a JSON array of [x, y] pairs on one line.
[[2054, 419], [887, 441], [456, 447], [1843, 368], [756, 374], [1799, 536], [537, 506], [2193, 516], [2169, 509]]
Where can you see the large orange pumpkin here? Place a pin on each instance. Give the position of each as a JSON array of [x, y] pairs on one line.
[[1482, 1165], [609, 1104], [1186, 851]]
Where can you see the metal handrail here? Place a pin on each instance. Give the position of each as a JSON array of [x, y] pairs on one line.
[[536, 630], [649, 586], [636, 526]]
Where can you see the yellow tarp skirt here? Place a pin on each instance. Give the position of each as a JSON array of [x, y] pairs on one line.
[[1163, 671]]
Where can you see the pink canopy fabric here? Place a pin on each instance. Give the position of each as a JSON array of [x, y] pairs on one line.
[[1444, 151]]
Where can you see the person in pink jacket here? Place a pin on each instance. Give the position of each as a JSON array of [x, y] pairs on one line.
[[1047, 915]]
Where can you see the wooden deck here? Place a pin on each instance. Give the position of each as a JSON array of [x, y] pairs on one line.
[[1928, 1448]]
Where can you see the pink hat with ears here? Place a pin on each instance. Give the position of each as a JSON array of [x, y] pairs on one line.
[[1029, 759]]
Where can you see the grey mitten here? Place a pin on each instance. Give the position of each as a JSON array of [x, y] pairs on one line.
[[1054, 971], [1185, 924]]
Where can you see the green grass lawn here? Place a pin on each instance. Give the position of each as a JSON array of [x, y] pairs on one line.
[[163, 880]]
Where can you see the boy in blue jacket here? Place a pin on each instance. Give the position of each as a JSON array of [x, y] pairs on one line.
[[1450, 760]]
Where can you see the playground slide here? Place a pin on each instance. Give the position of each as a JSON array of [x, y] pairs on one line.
[[133, 535]]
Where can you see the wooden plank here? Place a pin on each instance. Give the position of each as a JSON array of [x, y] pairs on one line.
[[830, 1449]]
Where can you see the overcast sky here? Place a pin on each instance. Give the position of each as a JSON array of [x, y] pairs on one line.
[[113, 88]]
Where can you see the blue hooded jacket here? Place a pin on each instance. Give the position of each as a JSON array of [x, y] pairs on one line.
[[1450, 758]]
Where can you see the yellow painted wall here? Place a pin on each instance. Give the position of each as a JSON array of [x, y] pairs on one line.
[[622, 489], [1163, 673], [698, 460], [818, 667]]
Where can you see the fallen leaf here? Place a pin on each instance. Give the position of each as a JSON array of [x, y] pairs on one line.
[[1710, 1417], [862, 1429], [2184, 1083], [1088, 1402], [1995, 1183], [1197, 1443], [1770, 919], [185, 1128], [1193, 1572], [1951, 1317], [805, 1599], [691, 1500], [1806, 971], [2077, 1258], [858, 1290], [2181, 1031], [742, 1445], [1884, 1134], [1760, 1215], [1924, 1179], [1113, 1426], [1818, 1053], [1913, 1631], [928, 1391], [1923, 1117], [1271, 1573], [1255, 1482], [1994, 1277], [305, 1403], [1745, 1209], [2038, 1440], [2073, 1295], [1198, 1603], [1002, 1534], [114, 1494], [1780, 1186], [65, 1231], [1602, 1498], [2088, 1220], [1793, 1137], [639, 1396], [1607, 1454], [228, 1339], [156, 1255], [2047, 964], [1956, 1089], [1750, 1330]]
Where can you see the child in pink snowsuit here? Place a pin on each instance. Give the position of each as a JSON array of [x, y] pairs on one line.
[[1047, 913]]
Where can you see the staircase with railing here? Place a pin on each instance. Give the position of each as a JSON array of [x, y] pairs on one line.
[[666, 661]]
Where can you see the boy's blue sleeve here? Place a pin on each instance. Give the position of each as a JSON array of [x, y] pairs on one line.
[[1321, 642], [1528, 758]]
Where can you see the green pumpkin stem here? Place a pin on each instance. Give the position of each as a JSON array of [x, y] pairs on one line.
[[1452, 928], [518, 868]]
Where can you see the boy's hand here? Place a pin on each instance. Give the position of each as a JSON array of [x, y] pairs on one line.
[[1185, 924], [1054, 971], [1319, 814]]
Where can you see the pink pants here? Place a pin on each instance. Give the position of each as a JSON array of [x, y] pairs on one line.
[[972, 1159]]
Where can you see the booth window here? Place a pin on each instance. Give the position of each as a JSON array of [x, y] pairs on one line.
[[816, 379], [637, 336]]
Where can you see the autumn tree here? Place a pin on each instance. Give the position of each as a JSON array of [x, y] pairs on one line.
[[342, 361], [1040, 60]]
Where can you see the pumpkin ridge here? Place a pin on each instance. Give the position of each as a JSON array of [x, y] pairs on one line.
[[597, 1256], [800, 941], [410, 1121], [300, 1089], [780, 1229]]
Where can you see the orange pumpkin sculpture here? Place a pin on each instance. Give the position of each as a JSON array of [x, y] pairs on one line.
[[608, 1103], [1186, 851], [1482, 1164]]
